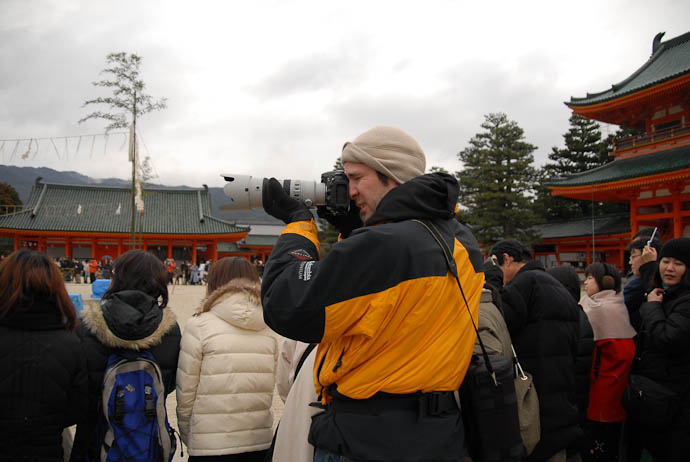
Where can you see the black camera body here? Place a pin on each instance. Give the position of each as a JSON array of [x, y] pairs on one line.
[[337, 191]]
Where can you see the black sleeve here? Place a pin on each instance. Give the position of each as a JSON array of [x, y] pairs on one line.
[[167, 354], [647, 275], [670, 334], [297, 287], [514, 308], [634, 296]]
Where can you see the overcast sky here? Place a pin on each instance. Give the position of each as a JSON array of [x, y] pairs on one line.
[[274, 88]]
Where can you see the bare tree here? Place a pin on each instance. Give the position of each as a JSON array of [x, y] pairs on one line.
[[127, 104], [129, 101]]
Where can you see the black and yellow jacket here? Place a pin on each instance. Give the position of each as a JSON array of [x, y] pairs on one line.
[[387, 314]]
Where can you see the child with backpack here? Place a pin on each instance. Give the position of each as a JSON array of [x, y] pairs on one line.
[[131, 342], [227, 369]]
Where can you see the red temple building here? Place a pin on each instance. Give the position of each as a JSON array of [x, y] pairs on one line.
[[95, 222], [651, 171]]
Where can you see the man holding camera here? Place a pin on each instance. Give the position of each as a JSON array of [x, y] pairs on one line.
[[395, 336]]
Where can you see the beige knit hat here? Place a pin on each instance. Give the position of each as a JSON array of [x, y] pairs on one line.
[[387, 150]]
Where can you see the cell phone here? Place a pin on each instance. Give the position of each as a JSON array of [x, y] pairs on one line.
[[649, 242]]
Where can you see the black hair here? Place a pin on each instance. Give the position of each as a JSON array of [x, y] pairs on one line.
[[515, 249], [382, 178], [139, 270], [566, 275], [607, 276], [639, 242]]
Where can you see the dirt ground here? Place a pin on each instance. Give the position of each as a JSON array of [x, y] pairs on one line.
[[183, 300]]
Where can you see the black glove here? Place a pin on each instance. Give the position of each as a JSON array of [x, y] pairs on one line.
[[278, 203], [492, 274], [345, 224]]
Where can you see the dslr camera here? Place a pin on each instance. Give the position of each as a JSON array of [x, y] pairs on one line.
[[246, 192]]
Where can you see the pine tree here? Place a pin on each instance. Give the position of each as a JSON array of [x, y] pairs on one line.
[[584, 150], [496, 182], [9, 199]]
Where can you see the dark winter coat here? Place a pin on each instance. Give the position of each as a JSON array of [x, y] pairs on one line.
[[132, 320], [583, 365], [664, 355], [42, 383], [635, 292], [543, 320]]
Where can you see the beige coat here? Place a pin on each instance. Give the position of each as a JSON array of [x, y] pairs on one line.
[[492, 328], [226, 374], [297, 392]]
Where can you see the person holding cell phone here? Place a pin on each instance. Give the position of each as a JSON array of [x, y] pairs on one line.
[[663, 355]]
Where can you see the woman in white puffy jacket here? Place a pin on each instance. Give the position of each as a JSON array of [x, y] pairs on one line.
[[227, 368]]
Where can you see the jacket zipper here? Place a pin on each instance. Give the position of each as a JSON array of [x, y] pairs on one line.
[[339, 362]]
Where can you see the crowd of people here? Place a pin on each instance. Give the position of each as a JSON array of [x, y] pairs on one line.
[[366, 346]]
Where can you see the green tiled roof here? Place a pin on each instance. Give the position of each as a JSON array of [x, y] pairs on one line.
[[669, 60], [258, 240], [644, 165], [609, 224], [106, 209]]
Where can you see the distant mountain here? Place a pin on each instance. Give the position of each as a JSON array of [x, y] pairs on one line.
[[23, 178]]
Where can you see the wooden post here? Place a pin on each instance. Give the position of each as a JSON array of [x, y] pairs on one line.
[[169, 248], [68, 247], [119, 248], [194, 252], [93, 248], [16, 243]]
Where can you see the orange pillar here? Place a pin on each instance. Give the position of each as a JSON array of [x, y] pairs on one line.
[[16, 243], [93, 248], [68, 247], [677, 218], [634, 225], [214, 251], [194, 252], [169, 248], [119, 248]]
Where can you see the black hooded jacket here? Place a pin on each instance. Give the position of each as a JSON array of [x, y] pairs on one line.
[[129, 320], [42, 383], [543, 320]]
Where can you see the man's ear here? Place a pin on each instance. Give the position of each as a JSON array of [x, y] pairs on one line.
[[507, 259]]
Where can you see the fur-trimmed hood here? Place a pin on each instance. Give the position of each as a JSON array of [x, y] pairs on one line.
[[238, 303], [131, 314]]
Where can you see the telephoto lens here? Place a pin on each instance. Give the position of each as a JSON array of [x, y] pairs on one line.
[[245, 192]]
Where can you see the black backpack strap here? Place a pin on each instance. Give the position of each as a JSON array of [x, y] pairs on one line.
[[452, 267], [303, 358], [269, 451]]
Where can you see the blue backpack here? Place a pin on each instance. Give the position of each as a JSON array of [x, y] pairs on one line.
[[135, 424]]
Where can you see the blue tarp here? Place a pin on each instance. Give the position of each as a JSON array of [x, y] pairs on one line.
[[77, 302], [99, 287]]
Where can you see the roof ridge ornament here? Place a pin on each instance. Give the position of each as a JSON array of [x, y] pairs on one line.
[[656, 43]]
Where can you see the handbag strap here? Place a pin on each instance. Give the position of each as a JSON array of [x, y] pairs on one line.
[[518, 367], [452, 267]]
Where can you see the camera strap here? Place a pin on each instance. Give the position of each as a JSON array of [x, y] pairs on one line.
[[452, 267]]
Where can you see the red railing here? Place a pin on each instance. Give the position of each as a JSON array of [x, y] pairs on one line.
[[650, 138]]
